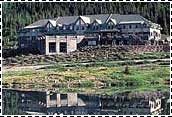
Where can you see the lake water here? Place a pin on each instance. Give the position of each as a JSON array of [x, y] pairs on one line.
[[35, 102]]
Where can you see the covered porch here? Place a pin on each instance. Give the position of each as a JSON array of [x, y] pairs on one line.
[[103, 37]]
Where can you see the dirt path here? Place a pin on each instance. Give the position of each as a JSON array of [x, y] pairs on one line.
[[36, 67], [23, 68]]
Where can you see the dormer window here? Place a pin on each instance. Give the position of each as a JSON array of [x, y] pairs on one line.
[[130, 26], [110, 26], [96, 24], [81, 23], [83, 28], [60, 28], [95, 27], [77, 28]]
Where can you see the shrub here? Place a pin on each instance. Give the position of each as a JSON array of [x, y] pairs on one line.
[[126, 71], [87, 83]]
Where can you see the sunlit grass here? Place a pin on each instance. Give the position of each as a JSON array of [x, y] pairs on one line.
[[110, 74]]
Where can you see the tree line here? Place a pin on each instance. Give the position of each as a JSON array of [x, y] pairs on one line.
[[17, 15]]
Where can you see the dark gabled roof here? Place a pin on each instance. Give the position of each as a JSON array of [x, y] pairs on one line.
[[39, 23], [102, 17], [128, 18], [66, 20], [71, 19], [133, 18]]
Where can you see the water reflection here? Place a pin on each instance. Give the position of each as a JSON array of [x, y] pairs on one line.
[[33, 102]]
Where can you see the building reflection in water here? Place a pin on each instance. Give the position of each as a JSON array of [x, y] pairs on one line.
[[33, 102]]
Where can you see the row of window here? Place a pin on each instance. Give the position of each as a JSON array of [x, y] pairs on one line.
[[97, 27], [131, 26], [93, 27], [62, 47]]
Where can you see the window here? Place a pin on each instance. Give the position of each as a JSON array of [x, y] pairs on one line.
[[53, 96], [95, 27], [123, 26], [61, 28], [52, 47], [63, 47], [83, 27], [110, 27], [63, 97], [77, 28], [130, 26], [68, 27]]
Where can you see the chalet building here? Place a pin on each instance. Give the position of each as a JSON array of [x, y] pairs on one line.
[[66, 34]]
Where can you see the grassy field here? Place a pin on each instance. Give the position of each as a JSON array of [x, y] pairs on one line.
[[97, 77]]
